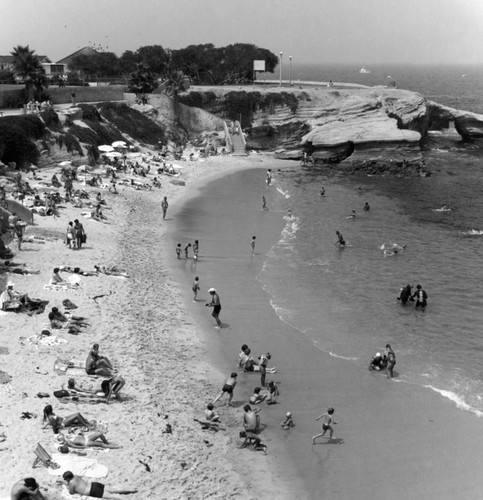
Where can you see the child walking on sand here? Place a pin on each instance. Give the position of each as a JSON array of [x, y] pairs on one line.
[[195, 288]]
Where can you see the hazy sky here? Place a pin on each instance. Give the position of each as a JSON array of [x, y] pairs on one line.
[[347, 31]]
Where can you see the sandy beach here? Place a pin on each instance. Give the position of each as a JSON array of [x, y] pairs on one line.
[[398, 441], [142, 327]]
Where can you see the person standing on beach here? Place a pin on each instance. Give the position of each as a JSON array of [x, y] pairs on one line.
[[216, 305], [196, 288], [80, 235], [269, 177], [263, 367], [252, 244], [326, 424], [264, 203], [186, 250], [228, 387], [164, 206], [366, 207], [178, 250], [196, 249], [390, 357]]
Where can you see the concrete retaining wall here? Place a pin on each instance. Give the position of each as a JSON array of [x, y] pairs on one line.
[[63, 95]]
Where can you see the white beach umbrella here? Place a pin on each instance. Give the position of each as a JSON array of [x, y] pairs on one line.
[[119, 144], [134, 155], [113, 154], [106, 148], [64, 163]]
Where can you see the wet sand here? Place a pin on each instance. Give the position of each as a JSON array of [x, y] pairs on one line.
[[396, 441]]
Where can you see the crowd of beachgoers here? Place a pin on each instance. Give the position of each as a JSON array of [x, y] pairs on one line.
[[61, 275]]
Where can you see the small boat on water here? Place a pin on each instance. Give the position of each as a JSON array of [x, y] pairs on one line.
[[364, 70]]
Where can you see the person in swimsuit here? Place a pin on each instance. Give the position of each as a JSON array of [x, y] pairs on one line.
[[251, 419], [340, 239], [326, 425], [366, 207], [390, 357], [421, 297], [26, 489], [92, 489], [196, 249], [93, 439], [178, 250], [113, 386], [98, 365], [228, 387], [164, 206], [58, 422], [216, 305], [252, 244], [264, 203], [196, 288]]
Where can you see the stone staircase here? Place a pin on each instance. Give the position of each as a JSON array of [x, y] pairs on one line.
[[239, 146]]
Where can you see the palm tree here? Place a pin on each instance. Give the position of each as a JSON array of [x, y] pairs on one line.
[[27, 67], [176, 82]]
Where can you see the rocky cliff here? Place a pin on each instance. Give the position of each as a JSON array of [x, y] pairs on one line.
[[355, 127]]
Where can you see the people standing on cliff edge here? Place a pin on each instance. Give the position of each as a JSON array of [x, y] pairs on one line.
[[216, 305]]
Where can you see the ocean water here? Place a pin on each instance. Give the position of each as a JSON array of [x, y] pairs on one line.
[[346, 298], [458, 86]]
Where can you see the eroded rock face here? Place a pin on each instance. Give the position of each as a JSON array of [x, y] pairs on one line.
[[351, 126]]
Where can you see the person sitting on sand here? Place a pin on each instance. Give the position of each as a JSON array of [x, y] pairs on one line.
[[251, 419], [57, 422], [56, 278], [256, 397], [252, 441], [287, 423], [98, 365], [27, 488], [73, 320], [273, 393], [210, 415], [100, 200], [83, 440], [92, 489], [97, 214], [228, 387], [112, 387], [11, 300]]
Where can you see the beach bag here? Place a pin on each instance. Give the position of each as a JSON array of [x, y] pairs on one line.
[[84, 238], [61, 394]]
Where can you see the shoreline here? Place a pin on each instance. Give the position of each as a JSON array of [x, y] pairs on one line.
[[167, 380], [170, 378]]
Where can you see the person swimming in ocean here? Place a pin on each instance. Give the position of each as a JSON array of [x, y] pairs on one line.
[[366, 207]]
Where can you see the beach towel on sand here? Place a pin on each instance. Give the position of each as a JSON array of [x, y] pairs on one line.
[[71, 367], [87, 467]]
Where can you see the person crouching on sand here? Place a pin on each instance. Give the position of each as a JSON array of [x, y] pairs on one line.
[[26, 488]]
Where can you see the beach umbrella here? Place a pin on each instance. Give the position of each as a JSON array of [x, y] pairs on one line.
[[113, 154], [106, 148], [134, 155], [64, 163], [119, 144]]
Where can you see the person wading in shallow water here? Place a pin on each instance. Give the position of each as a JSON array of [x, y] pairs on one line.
[[216, 305], [164, 206]]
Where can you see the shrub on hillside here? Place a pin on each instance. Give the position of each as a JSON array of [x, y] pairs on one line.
[[50, 118], [31, 125], [131, 122], [90, 113], [16, 146]]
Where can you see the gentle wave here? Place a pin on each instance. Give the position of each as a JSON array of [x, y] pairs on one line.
[[457, 400]]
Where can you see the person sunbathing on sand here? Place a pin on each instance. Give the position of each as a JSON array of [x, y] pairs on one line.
[[92, 489], [111, 271], [83, 440], [58, 422]]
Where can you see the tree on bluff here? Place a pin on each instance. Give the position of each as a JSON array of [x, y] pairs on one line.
[[141, 80], [208, 65], [100, 64], [153, 57]]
